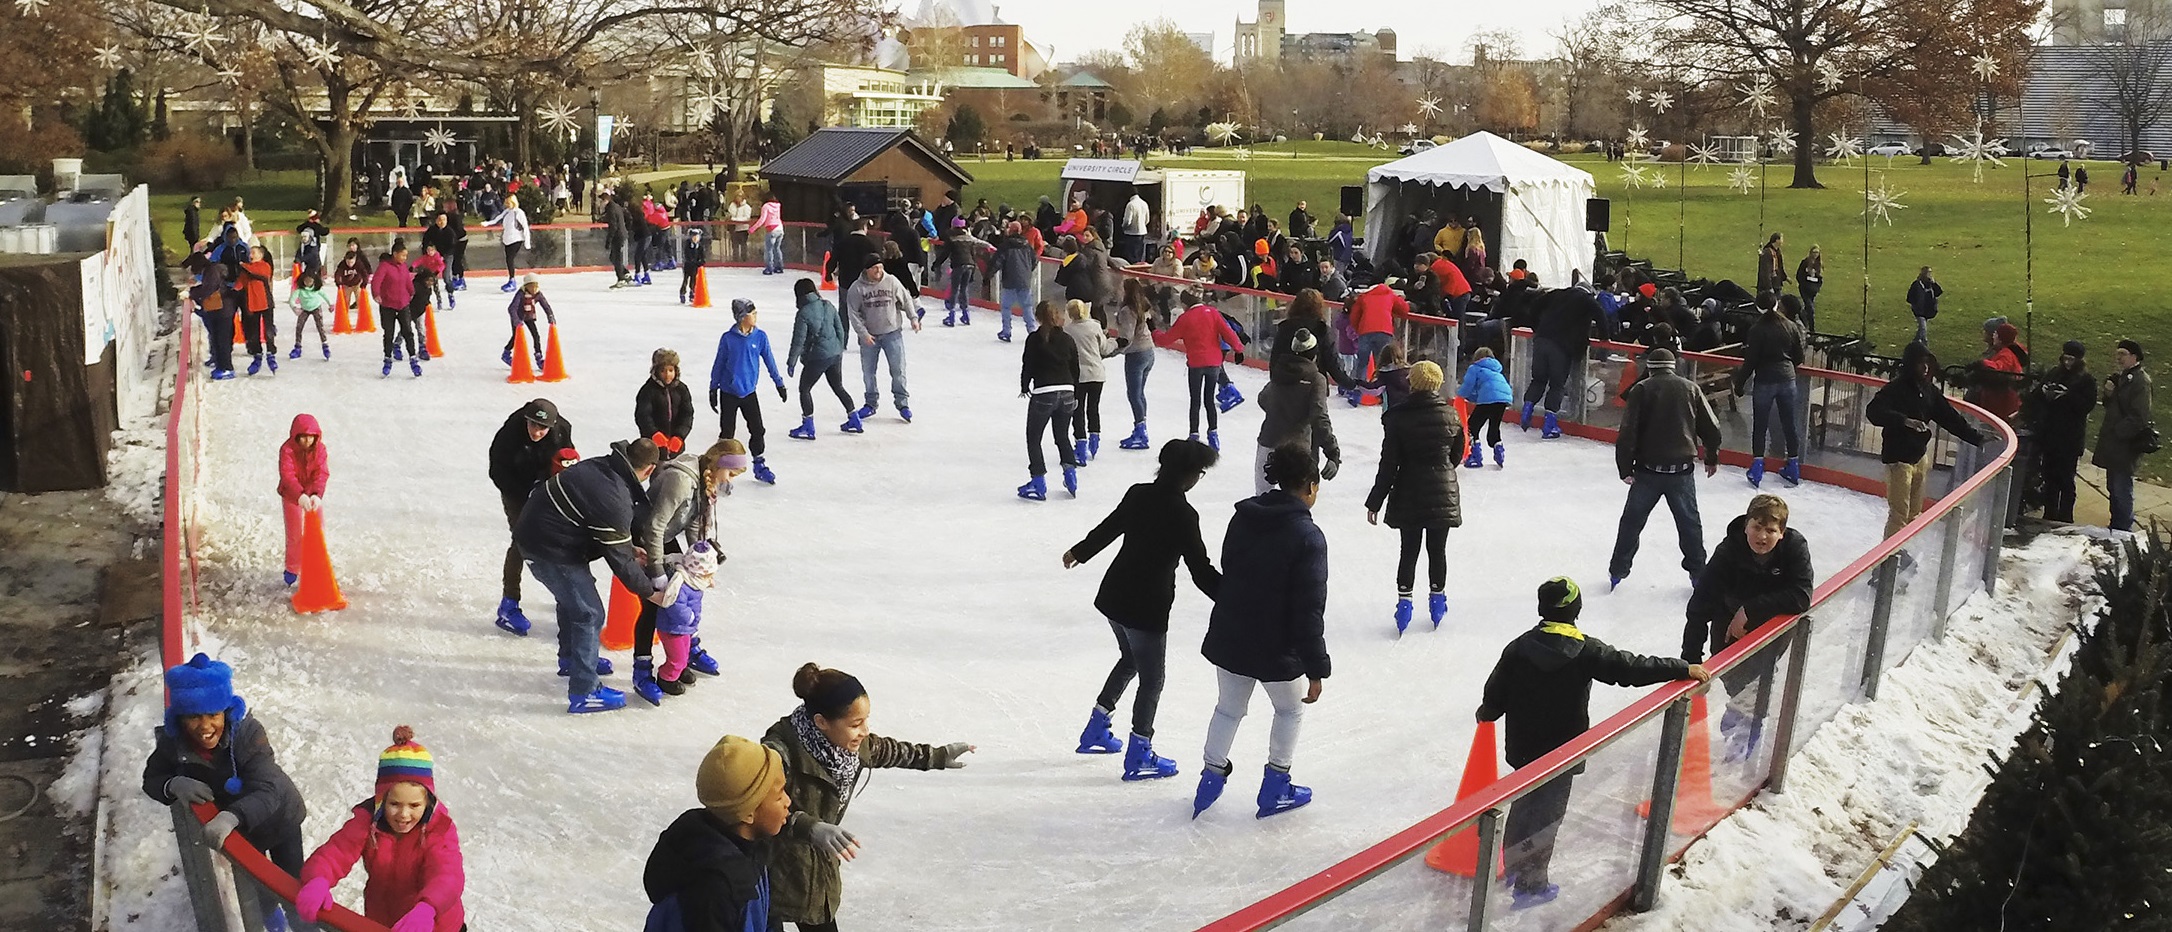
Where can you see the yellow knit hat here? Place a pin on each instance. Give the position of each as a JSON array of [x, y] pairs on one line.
[[736, 776]]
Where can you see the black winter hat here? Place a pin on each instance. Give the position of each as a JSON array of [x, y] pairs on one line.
[[541, 413], [2074, 348], [1560, 600]]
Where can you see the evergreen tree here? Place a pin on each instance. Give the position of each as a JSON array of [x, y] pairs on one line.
[[118, 121], [966, 128], [2074, 831]]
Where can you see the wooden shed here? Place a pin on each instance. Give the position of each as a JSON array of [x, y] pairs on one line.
[[868, 166]]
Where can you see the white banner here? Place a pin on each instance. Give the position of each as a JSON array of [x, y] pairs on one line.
[[603, 134], [120, 303]]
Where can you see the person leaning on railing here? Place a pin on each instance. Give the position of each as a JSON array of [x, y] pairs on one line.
[[1907, 408], [1760, 571]]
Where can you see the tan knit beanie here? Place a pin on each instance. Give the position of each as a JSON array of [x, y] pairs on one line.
[[736, 776]]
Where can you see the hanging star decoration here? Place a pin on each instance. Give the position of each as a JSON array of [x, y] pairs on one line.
[[560, 117], [1758, 96], [1659, 179], [1986, 67], [1635, 95], [205, 37], [1879, 203], [1661, 101], [711, 101], [29, 7], [1828, 75], [438, 140], [1741, 179], [230, 75], [621, 126], [1224, 132], [1429, 105], [1633, 175], [108, 56], [2067, 203], [1843, 148], [409, 106], [1782, 141], [323, 56], [1977, 151], [1410, 129], [1702, 156], [1639, 142]]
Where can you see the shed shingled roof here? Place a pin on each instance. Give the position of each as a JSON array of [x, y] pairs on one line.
[[832, 154]]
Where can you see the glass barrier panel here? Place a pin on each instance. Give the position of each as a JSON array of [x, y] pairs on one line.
[[1833, 671], [1410, 897], [1581, 832], [1727, 752]]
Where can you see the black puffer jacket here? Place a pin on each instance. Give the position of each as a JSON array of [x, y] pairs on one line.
[[1543, 684], [585, 513], [269, 807], [664, 409], [1735, 579], [2067, 398], [1048, 360], [1904, 399], [1423, 442], [1565, 317], [702, 878], [1159, 527], [1270, 617], [517, 463]]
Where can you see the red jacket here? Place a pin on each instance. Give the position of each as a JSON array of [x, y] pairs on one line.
[[2000, 394], [302, 473], [1203, 333], [422, 866], [256, 286], [1452, 282], [1374, 309]]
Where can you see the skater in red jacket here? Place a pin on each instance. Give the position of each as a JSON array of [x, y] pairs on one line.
[[1204, 333], [302, 473], [404, 837]]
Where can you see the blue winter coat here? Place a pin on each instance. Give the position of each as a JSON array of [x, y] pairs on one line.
[[683, 615], [739, 358], [1483, 384], [1270, 614], [818, 333]]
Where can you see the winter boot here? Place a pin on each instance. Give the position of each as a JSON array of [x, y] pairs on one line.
[[1757, 471], [1035, 489], [510, 617], [1078, 452], [1093, 448], [1500, 455], [905, 414], [644, 681], [1099, 738], [1278, 795], [1477, 457], [289, 578], [1527, 407], [1525, 899], [762, 473], [415, 365], [1141, 763], [805, 430], [1436, 605], [866, 412], [675, 687], [297, 353], [1792, 472], [256, 363], [1211, 781], [387, 371], [851, 424], [1214, 439], [1228, 398], [1070, 480], [1552, 430], [1402, 615], [699, 661], [602, 700], [1137, 440]]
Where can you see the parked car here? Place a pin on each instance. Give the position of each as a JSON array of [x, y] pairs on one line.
[[1888, 149], [2043, 151], [1419, 145], [2137, 157]]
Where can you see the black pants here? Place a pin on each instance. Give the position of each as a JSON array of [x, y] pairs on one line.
[[1046, 407], [834, 371], [749, 404], [1203, 381], [219, 333], [512, 261], [535, 339], [645, 625], [456, 265], [510, 587], [641, 253], [830, 926], [2058, 473], [1527, 843], [1088, 420], [1144, 654], [1435, 540], [616, 246], [257, 327], [1489, 417], [399, 324], [686, 280]]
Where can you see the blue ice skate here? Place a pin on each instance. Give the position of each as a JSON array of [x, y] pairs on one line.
[[1098, 738], [1278, 795]]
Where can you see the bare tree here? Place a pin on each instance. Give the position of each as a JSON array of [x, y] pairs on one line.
[[1593, 50], [1170, 67], [2134, 71]]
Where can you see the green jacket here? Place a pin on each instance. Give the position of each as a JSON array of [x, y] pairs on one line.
[[804, 883]]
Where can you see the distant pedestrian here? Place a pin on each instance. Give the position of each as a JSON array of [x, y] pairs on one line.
[[1923, 295], [2126, 433]]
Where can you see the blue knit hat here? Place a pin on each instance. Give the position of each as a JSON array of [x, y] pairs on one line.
[[201, 686]]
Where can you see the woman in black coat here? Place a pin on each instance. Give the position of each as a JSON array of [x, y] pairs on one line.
[[1417, 481], [664, 406], [1159, 527]]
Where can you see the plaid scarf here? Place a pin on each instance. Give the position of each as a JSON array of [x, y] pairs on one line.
[[844, 766]]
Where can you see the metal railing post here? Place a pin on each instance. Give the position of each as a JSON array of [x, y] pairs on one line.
[[1783, 735], [1881, 618], [566, 236], [1489, 853], [1949, 551], [1652, 858], [197, 870], [1994, 534]]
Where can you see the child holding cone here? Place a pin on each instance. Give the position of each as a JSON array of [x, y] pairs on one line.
[[526, 302], [405, 838], [692, 257], [309, 301], [304, 466]]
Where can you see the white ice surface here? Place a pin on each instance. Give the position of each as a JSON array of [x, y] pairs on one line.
[[903, 557]]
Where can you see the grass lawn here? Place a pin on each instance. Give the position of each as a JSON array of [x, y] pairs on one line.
[[274, 200]]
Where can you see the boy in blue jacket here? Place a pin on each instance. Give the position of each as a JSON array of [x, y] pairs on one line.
[[735, 380], [1489, 394]]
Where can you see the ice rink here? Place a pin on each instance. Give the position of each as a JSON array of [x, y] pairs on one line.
[[901, 556]]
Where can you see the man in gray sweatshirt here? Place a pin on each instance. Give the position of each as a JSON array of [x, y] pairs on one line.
[[1666, 420], [879, 308]]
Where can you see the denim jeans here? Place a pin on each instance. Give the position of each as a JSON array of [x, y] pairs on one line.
[[773, 252], [1369, 346], [2119, 487], [1043, 408], [1136, 366], [1549, 375], [961, 289], [1766, 396], [892, 347], [1235, 698], [1022, 299], [580, 620], [1144, 654], [1680, 492], [1923, 330]]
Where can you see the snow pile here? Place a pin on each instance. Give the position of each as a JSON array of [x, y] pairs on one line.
[[140, 864], [76, 790], [136, 469], [1914, 754]]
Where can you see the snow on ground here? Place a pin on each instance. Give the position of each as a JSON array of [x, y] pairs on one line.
[[903, 557], [1914, 754], [139, 880]]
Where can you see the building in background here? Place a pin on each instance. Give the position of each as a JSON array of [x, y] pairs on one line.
[[1267, 40], [1084, 95], [963, 33], [1261, 39], [2097, 22], [997, 94], [860, 95], [1205, 41]]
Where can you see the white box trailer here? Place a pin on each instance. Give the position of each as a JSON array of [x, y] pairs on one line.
[[1174, 195]]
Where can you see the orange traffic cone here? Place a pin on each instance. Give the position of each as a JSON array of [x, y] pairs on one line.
[[294, 280], [237, 329], [1458, 853], [1463, 418], [554, 363], [1371, 396], [364, 321], [827, 283], [523, 369], [701, 287], [340, 323], [429, 331], [618, 623], [1694, 810], [318, 590]]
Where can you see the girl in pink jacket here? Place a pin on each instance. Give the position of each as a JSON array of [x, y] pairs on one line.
[[1205, 333], [406, 841], [303, 470]]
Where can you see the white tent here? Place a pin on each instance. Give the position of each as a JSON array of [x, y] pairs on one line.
[[1540, 202]]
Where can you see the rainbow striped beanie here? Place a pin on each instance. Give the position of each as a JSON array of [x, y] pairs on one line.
[[405, 762]]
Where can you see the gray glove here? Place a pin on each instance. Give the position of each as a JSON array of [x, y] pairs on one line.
[[951, 754], [833, 839], [1330, 470], [188, 790], [220, 826]]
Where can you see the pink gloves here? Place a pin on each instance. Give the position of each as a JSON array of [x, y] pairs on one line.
[[423, 918], [311, 899]]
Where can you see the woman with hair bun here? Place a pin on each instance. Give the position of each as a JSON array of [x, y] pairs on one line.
[[827, 747]]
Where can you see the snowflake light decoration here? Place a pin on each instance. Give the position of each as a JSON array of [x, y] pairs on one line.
[[2067, 203], [703, 67], [1758, 96], [1828, 75], [1702, 156], [1639, 141], [323, 56], [1741, 180], [560, 117], [205, 38], [230, 75], [410, 108], [622, 125], [1661, 101], [1635, 95], [29, 7], [1410, 129], [1224, 132], [108, 56], [1986, 66], [1976, 150], [1429, 105], [1782, 141], [438, 140], [711, 101], [1843, 148], [1879, 203], [1659, 179], [1633, 175]]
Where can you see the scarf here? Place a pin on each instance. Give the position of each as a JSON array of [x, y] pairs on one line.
[[843, 767]]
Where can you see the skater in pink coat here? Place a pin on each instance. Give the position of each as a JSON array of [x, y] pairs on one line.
[[302, 473], [404, 837]]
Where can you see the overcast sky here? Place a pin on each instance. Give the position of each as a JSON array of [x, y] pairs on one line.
[[1075, 27]]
